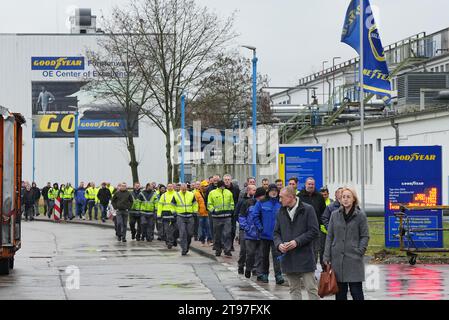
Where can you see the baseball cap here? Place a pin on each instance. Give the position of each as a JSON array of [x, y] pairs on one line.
[[272, 187], [260, 192]]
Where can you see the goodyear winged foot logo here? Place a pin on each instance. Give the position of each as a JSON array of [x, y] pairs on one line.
[[413, 157], [57, 63]]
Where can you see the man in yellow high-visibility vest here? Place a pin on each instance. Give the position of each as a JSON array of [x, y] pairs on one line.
[[220, 203], [166, 211], [68, 194], [135, 214], [111, 188], [184, 202], [160, 230], [147, 210], [91, 197], [52, 195]]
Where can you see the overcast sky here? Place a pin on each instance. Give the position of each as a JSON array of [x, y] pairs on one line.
[[292, 37]]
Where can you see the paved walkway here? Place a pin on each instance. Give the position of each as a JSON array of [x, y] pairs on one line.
[[384, 282]]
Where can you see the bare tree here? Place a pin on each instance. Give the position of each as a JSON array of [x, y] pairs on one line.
[[226, 96], [118, 79], [178, 43]]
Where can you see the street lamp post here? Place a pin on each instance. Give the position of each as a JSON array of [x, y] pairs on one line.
[[183, 116], [34, 149], [183, 137], [254, 61], [76, 144], [324, 94], [76, 147], [333, 78]]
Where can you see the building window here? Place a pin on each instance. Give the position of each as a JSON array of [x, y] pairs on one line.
[[368, 170], [332, 165], [338, 165], [370, 162], [326, 180], [342, 165], [357, 163], [351, 176], [447, 67], [347, 164], [379, 145]]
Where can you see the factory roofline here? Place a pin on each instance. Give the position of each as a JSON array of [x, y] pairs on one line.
[[381, 119], [318, 75]]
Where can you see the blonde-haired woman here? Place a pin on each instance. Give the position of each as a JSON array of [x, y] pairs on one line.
[[346, 244]]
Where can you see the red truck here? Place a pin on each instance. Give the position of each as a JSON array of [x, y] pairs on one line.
[[10, 187]]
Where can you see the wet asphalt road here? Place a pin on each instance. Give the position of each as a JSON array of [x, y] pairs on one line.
[[110, 269]]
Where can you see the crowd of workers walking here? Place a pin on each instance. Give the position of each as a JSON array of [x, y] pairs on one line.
[[297, 227]]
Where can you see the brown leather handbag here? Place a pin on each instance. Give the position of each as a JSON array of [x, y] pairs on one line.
[[328, 282]]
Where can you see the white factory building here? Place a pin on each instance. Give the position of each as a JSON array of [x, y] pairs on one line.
[[327, 113], [27, 63]]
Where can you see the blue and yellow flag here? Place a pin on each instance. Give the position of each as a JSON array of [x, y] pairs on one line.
[[376, 76]]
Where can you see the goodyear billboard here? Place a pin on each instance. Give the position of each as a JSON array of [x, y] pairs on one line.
[[54, 104], [301, 162], [57, 63], [413, 176]]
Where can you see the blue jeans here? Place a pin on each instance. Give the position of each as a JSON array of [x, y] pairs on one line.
[[104, 211], [92, 205], [205, 229], [80, 209], [51, 204]]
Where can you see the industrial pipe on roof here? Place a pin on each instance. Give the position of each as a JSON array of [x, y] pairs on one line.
[[396, 129], [314, 135], [330, 86], [348, 128]]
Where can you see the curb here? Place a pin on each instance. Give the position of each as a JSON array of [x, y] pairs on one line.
[[204, 253]]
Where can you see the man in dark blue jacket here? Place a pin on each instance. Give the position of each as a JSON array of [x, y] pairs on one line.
[[311, 196], [252, 234], [242, 210], [80, 201], [264, 217], [326, 217]]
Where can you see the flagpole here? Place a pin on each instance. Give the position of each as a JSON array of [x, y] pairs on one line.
[[362, 107]]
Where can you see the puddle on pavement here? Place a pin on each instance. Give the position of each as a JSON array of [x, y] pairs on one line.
[[133, 277], [243, 288], [177, 285], [423, 283]]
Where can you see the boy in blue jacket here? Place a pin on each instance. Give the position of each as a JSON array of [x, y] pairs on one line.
[[264, 217], [252, 234], [80, 201]]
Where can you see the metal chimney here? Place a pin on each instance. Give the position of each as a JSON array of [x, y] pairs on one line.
[[83, 21]]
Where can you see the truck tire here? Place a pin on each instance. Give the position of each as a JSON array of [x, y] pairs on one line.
[[11, 263], [4, 267]]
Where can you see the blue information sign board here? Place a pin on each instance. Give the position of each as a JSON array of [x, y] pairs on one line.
[[301, 162], [413, 176]]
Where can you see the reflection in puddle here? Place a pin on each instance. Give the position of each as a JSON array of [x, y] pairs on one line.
[[416, 283]]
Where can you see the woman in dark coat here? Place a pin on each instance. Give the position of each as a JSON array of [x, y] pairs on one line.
[[346, 244]]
